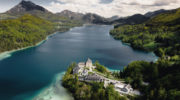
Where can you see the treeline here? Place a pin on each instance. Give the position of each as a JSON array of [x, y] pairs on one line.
[[156, 80], [88, 91], [100, 68]]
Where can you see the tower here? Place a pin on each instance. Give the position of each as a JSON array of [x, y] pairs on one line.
[[89, 63]]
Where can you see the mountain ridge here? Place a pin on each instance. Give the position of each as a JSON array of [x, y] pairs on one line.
[[86, 18], [131, 20], [154, 13], [28, 7]]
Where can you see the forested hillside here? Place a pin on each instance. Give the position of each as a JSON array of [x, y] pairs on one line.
[[159, 34], [27, 24], [24, 31], [156, 80]]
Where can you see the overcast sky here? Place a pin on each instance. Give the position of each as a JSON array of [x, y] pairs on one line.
[[106, 8]]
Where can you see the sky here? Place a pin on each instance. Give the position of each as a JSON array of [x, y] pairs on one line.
[[106, 8]]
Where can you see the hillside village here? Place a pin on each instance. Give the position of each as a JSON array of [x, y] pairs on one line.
[[86, 72]]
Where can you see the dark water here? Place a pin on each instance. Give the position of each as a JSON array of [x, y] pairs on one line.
[[32, 69]]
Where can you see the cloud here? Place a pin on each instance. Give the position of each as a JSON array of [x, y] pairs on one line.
[[106, 1], [165, 2], [108, 8]]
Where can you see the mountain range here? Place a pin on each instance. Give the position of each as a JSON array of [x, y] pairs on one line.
[[28, 7]]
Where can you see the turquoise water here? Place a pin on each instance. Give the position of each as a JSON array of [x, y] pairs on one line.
[[31, 72]]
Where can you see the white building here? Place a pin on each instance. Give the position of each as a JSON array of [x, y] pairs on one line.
[[85, 72], [123, 88], [89, 63], [83, 68]]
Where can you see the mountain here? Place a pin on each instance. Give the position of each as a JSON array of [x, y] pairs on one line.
[[154, 13], [85, 18], [131, 20], [169, 18], [94, 18], [71, 15], [113, 18], [28, 7], [97, 19]]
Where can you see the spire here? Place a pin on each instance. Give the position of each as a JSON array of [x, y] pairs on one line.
[[89, 60], [89, 63]]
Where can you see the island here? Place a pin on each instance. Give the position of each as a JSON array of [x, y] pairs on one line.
[[85, 79]]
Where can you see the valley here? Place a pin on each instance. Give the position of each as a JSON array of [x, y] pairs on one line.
[[136, 57]]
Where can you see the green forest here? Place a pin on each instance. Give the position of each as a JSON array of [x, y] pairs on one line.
[[27, 30], [159, 34], [156, 80], [24, 31]]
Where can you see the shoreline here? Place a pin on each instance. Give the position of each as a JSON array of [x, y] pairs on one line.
[[138, 50], [54, 91], [7, 54]]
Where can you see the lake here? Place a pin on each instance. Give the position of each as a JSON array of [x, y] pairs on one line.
[[35, 72]]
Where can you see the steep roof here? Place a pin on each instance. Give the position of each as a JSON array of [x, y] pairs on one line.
[[89, 60]]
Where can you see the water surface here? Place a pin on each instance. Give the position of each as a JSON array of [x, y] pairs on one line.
[[27, 72]]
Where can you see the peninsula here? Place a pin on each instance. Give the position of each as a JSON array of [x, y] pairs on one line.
[[90, 74]]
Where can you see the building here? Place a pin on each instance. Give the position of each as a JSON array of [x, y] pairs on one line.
[[123, 88], [85, 72], [89, 63], [83, 68], [91, 77]]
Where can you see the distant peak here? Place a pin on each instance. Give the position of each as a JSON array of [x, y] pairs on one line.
[[25, 6], [29, 5], [66, 10], [27, 2]]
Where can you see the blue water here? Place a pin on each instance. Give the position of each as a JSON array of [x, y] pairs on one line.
[[30, 70]]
